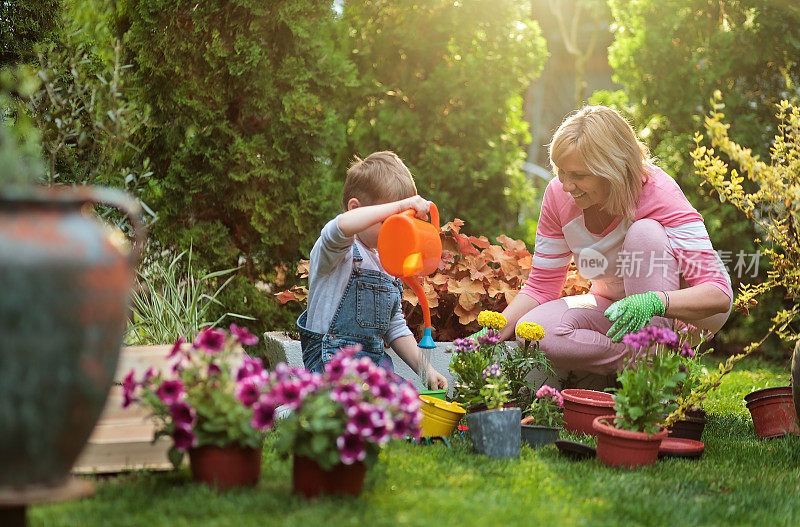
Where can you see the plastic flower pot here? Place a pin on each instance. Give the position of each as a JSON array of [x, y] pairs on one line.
[[496, 433], [582, 406], [775, 390], [439, 418], [536, 436], [309, 479], [225, 467], [624, 448], [773, 415], [691, 426], [438, 394]]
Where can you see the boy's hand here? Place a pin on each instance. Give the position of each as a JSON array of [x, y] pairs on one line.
[[421, 205], [436, 380]]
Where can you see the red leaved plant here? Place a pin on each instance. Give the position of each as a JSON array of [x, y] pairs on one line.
[[473, 275]]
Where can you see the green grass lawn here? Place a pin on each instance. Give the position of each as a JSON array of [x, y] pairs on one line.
[[740, 480]]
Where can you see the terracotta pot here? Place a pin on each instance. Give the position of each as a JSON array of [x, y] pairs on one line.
[[775, 390], [582, 406], [773, 415], [691, 426], [225, 467], [65, 283], [624, 448], [309, 479]]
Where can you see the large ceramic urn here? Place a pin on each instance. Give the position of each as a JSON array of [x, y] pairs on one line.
[[65, 279]]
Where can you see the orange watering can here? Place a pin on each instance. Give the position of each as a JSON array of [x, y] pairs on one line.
[[408, 248]]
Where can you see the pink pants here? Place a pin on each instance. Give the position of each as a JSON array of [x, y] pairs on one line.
[[575, 327]]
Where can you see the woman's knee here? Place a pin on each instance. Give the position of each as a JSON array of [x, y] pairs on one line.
[[645, 234]]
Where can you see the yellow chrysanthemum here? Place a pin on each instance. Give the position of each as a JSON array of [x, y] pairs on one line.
[[492, 320], [530, 331]]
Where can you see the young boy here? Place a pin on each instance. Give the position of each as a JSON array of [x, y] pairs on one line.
[[351, 299]]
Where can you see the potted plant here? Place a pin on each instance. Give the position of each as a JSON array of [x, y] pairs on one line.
[[544, 418], [471, 356], [204, 404], [646, 396], [496, 431], [339, 419]]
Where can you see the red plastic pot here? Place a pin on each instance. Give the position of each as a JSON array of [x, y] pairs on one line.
[[775, 390], [225, 467], [582, 406], [309, 479], [691, 426], [773, 415], [623, 448]]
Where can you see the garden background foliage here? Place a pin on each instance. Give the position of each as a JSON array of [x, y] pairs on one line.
[[234, 121]]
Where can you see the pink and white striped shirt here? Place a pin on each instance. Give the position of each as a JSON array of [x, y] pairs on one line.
[[562, 234]]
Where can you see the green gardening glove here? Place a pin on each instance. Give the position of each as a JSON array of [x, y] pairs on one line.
[[632, 313]]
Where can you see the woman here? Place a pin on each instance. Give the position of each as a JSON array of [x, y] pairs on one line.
[[632, 232]]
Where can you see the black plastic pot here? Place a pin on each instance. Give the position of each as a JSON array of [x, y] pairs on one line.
[[496, 433], [536, 436]]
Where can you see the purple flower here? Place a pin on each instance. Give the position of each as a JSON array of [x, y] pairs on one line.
[[149, 374], [183, 437], [465, 345], [491, 338], [263, 414], [382, 430], [212, 340], [170, 391], [364, 367], [336, 367], [128, 387], [386, 391], [346, 393], [351, 448], [686, 350], [362, 418], [213, 370], [182, 413], [243, 335], [250, 367], [289, 392], [248, 392], [493, 370], [176, 347]]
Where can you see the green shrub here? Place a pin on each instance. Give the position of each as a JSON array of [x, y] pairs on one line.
[[442, 86], [243, 131]]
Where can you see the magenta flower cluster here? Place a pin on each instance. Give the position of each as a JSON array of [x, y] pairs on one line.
[[654, 336], [491, 338], [373, 404], [549, 392], [172, 394], [466, 345]]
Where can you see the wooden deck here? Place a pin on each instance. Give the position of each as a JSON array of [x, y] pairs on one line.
[[122, 439]]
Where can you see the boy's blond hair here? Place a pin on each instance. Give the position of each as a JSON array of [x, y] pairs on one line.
[[610, 149], [381, 177]]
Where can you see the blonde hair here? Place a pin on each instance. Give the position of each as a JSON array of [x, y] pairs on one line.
[[381, 177], [609, 148]]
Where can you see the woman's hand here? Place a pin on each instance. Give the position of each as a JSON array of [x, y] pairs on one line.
[[436, 380], [632, 313]]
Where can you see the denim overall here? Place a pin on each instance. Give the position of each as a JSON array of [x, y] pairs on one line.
[[362, 317]]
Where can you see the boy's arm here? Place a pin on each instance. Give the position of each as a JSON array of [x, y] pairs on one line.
[[407, 349], [359, 218]]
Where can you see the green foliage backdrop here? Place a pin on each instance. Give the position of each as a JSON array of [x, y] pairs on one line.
[[441, 85], [23, 24], [243, 130], [670, 56]]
